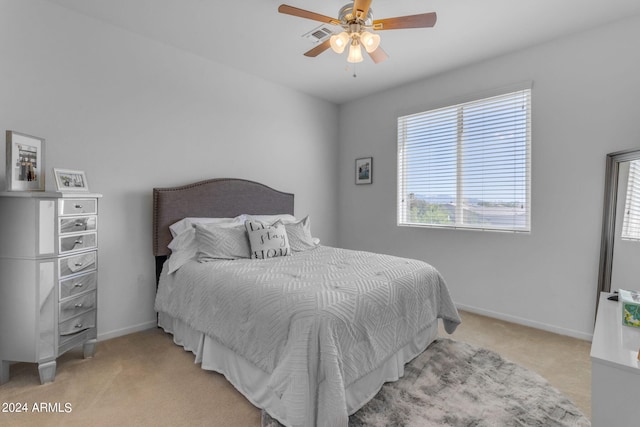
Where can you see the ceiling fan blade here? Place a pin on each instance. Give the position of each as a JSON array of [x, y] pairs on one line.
[[318, 49], [361, 8], [290, 10], [422, 20], [378, 55]]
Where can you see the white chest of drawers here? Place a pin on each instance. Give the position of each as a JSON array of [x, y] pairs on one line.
[[615, 368], [48, 278]]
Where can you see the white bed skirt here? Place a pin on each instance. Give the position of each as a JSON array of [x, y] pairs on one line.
[[252, 382]]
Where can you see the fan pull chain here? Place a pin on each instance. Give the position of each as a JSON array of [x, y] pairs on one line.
[[354, 75]]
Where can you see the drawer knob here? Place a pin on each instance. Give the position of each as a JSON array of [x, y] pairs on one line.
[[79, 224], [78, 325], [78, 206], [78, 241], [79, 305], [78, 285], [78, 264]]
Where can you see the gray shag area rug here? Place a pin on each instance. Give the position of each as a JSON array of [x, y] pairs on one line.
[[456, 384]]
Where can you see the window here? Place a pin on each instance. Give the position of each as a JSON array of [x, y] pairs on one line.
[[631, 220], [467, 165]]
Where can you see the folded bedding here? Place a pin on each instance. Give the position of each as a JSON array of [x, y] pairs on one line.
[[315, 321]]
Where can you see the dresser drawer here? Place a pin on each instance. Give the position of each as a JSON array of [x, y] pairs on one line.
[[77, 264], [77, 206], [78, 284], [78, 305], [77, 324], [78, 242], [78, 224], [67, 342]]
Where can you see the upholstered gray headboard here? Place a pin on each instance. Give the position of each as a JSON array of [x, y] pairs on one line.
[[213, 198]]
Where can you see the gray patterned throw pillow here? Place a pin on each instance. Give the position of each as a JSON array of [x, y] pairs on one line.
[[221, 243]]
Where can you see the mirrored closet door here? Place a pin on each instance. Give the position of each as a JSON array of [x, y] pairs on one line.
[[620, 247]]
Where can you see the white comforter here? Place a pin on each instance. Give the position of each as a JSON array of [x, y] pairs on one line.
[[315, 321]]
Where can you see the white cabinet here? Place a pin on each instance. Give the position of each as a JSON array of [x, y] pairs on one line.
[[615, 368], [48, 278]]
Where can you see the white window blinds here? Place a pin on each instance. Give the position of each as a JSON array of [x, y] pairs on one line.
[[467, 165], [631, 220]]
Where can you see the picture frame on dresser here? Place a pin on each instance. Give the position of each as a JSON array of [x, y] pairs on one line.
[[25, 162], [68, 180]]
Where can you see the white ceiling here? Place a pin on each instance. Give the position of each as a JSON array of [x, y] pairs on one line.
[[253, 37]]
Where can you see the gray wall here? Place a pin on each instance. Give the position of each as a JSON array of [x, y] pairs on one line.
[[584, 105], [135, 114]]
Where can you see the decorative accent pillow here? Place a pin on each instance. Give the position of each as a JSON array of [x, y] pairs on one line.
[[267, 241], [299, 235], [221, 242]]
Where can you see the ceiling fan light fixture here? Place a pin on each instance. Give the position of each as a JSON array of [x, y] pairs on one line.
[[355, 53], [339, 42], [370, 41], [359, 29]]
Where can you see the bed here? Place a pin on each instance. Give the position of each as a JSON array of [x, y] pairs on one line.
[[309, 337]]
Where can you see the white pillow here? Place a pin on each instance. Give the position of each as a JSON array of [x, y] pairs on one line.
[[186, 223], [269, 219], [299, 235], [267, 241], [216, 242], [183, 248]]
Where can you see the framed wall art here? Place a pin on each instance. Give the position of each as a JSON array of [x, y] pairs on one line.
[[70, 180], [364, 170], [25, 162]]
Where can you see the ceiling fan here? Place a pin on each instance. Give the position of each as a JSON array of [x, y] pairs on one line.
[[357, 22]]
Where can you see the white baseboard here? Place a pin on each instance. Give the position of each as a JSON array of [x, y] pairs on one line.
[[527, 322], [128, 330]]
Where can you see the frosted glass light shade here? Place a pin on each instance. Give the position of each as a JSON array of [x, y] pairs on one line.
[[370, 41], [339, 42], [355, 53]]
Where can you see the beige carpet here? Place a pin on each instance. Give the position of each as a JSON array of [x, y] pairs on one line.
[[144, 379]]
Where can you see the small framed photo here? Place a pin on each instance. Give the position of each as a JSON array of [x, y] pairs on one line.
[[364, 170], [25, 162], [70, 180]]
